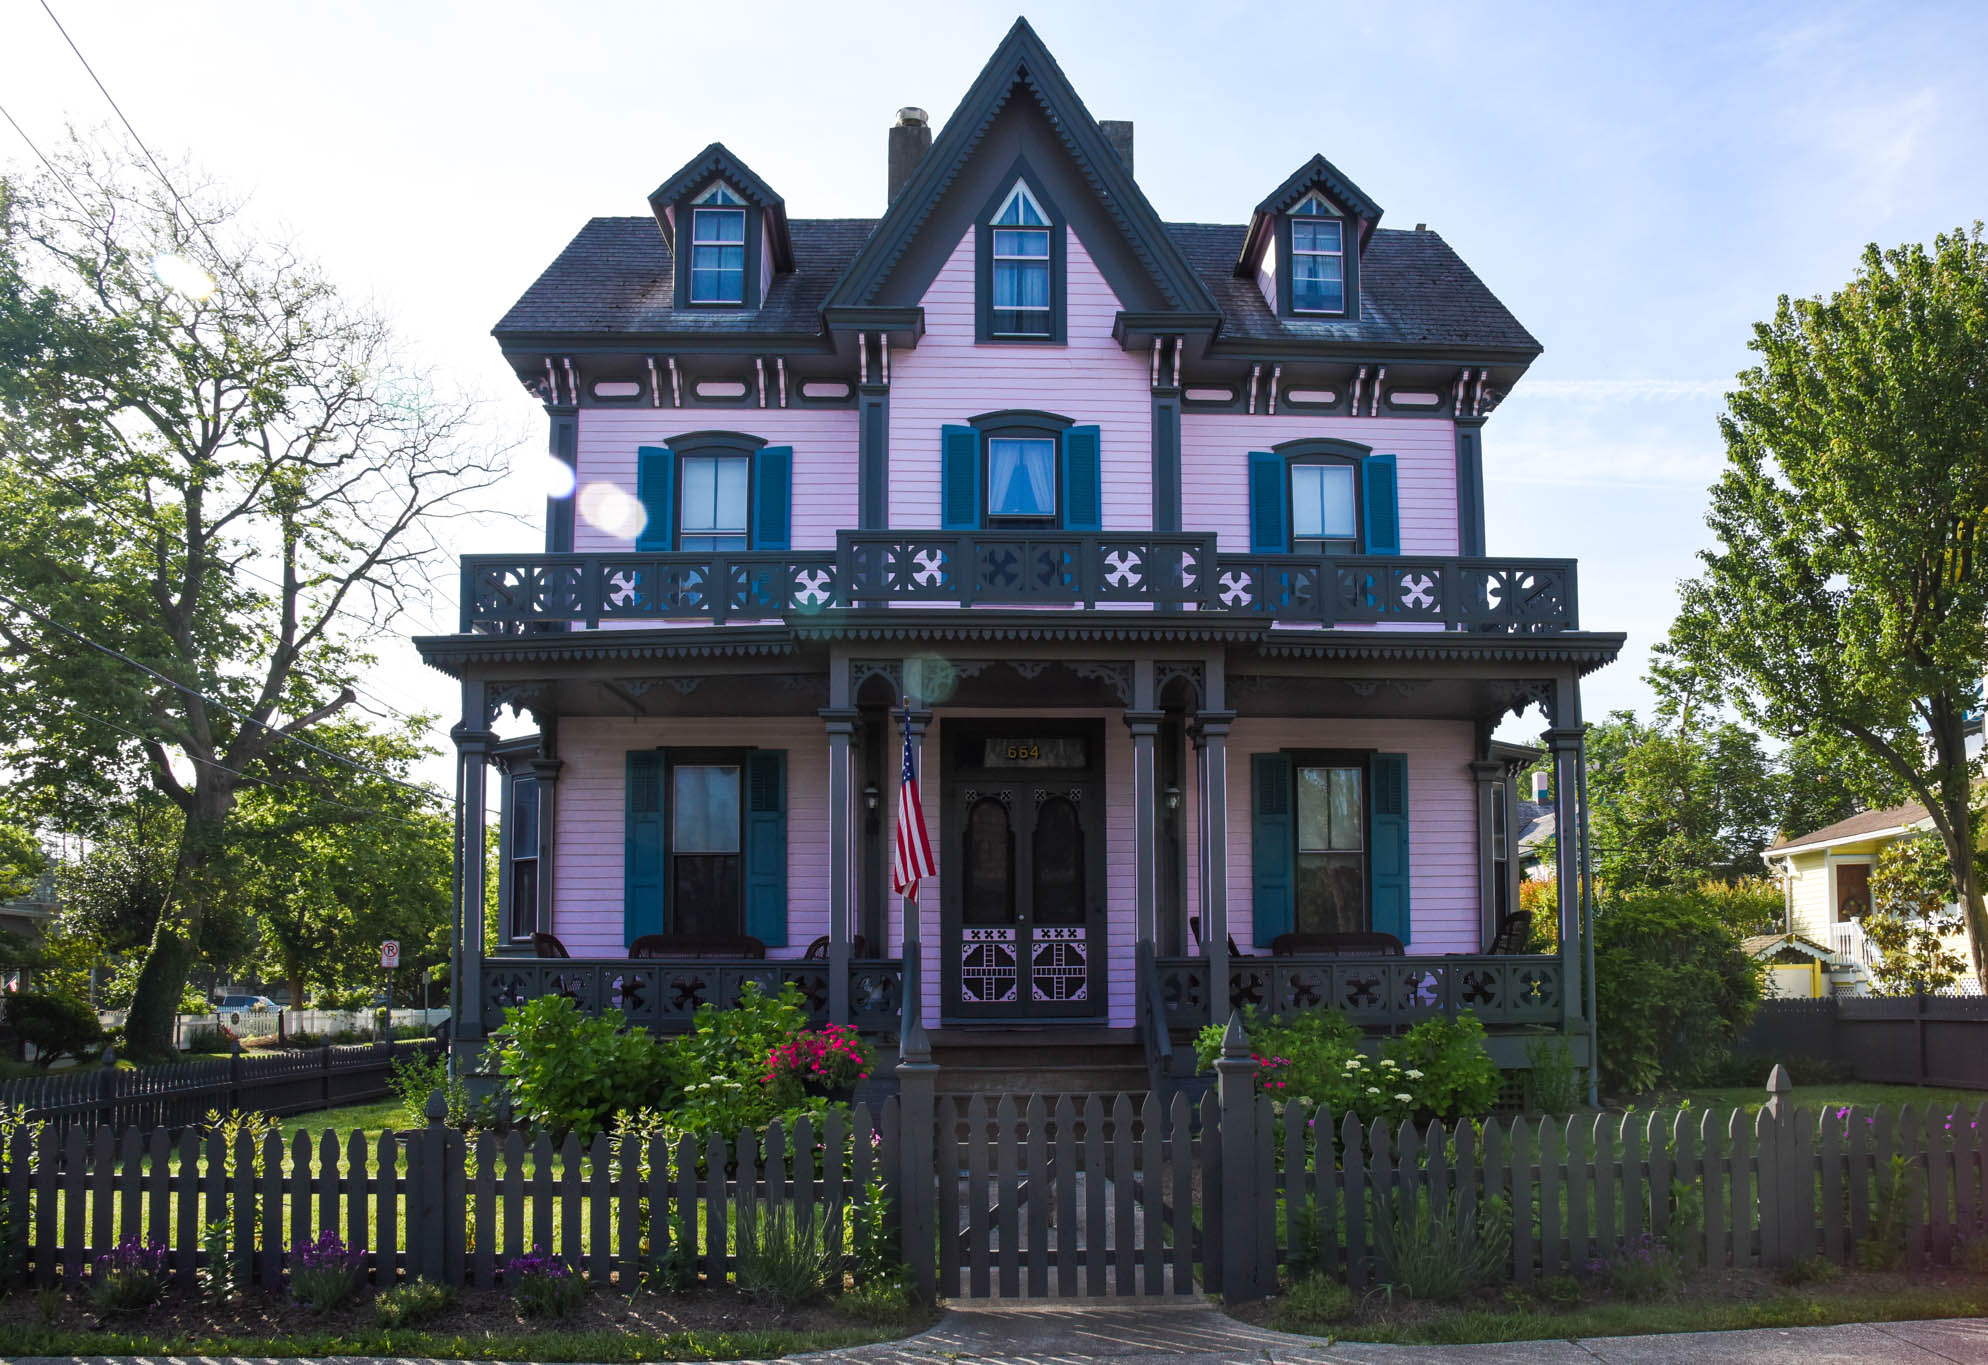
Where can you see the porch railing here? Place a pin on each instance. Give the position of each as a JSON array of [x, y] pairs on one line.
[[662, 995], [515, 594], [1379, 992]]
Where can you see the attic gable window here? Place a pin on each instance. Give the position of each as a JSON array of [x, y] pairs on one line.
[[1318, 258], [1021, 276], [717, 246]]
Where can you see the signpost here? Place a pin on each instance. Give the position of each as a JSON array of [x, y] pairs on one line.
[[389, 959]]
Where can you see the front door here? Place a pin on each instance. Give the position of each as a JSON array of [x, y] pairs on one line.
[[1024, 912]]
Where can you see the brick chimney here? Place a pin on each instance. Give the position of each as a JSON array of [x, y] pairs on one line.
[[910, 139]]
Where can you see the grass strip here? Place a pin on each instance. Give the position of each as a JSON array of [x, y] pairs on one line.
[[18, 1340]]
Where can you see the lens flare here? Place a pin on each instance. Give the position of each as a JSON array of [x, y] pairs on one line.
[[182, 276], [612, 511], [554, 478]]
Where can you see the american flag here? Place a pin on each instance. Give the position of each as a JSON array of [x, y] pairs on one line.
[[912, 858]]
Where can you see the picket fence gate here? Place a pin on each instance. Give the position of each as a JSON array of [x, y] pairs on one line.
[[1036, 1196]]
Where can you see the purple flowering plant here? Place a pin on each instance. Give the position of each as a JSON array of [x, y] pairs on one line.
[[544, 1286], [129, 1277], [324, 1273]]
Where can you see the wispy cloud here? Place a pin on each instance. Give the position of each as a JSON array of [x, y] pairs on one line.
[[1622, 390]]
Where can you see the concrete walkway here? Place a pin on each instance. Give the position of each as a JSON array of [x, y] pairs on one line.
[[1188, 1333]]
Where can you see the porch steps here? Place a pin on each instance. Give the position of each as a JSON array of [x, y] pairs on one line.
[[1050, 1059]]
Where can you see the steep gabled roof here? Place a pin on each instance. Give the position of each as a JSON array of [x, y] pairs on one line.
[[717, 162], [1864, 824], [1021, 61]]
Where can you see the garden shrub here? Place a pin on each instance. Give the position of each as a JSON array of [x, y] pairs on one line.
[[129, 1277], [413, 1079], [781, 1258], [1813, 1270], [1312, 1301], [417, 1301], [58, 1025], [543, 1286], [1552, 1081], [1559, 1291], [880, 1304], [1673, 991], [719, 1071], [1435, 1249], [324, 1273], [572, 1073], [1644, 1268], [1438, 1069]]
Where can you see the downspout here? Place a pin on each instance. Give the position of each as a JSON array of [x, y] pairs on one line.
[[1588, 928], [455, 939]]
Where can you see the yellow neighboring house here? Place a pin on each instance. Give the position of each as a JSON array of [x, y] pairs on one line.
[[1826, 884]]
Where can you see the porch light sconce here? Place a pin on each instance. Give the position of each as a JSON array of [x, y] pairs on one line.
[[1173, 800], [870, 797]]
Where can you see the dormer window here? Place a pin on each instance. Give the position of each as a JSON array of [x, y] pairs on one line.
[[1318, 258], [717, 246], [1021, 268], [1019, 261]]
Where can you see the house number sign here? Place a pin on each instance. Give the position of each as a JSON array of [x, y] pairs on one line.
[[1059, 751]]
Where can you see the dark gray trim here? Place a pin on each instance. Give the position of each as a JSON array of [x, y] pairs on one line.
[[1322, 175], [1166, 460], [717, 161], [983, 259], [1029, 425], [1470, 486], [873, 458], [749, 300], [563, 444]]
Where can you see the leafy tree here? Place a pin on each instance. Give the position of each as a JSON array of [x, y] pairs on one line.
[[1673, 991], [329, 865], [214, 466], [57, 1025], [1846, 595], [1675, 807], [1912, 913]]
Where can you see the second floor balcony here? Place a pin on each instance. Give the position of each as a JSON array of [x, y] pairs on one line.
[[1133, 570]]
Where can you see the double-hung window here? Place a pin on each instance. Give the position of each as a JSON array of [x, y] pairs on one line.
[[706, 890], [712, 508], [521, 850], [1331, 889], [1019, 305], [1324, 508], [717, 247], [1021, 478], [1318, 259]]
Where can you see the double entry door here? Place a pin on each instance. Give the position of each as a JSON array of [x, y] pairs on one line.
[[1024, 903]]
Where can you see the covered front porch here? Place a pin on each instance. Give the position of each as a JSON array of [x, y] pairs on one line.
[[1119, 811]]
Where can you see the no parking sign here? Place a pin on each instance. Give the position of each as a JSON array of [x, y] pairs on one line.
[[390, 954]]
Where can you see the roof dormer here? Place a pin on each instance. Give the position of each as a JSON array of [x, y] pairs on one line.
[[726, 230], [1304, 243]]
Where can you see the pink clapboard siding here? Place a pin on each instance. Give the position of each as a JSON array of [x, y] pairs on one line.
[[1214, 458], [949, 378], [1121, 927], [590, 821], [824, 442], [1442, 820]]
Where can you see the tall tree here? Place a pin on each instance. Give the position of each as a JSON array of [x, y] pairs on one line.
[[218, 482], [1847, 593], [1676, 806]]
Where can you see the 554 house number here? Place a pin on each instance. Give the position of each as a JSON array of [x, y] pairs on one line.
[[1062, 751]]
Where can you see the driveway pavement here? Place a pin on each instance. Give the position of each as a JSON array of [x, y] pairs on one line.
[[1194, 1334]]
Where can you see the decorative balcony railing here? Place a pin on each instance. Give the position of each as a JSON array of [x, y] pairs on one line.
[[1378, 992], [662, 995], [516, 594]]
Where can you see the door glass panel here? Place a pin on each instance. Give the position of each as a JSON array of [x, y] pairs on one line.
[[987, 869], [1058, 858], [1331, 889], [704, 895], [705, 808]]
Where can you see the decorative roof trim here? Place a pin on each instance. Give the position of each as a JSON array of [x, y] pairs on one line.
[[1316, 174], [1589, 649], [718, 162], [1022, 58], [448, 653]]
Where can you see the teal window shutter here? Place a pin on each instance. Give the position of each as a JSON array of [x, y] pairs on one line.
[[1083, 480], [1387, 865], [766, 847], [1272, 846], [655, 488], [642, 852], [1268, 502], [1383, 505], [772, 498], [959, 479]]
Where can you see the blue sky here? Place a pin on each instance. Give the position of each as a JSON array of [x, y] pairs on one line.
[[1638, 183]]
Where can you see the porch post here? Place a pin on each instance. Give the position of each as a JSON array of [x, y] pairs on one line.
[[1565, 739], [1211, 742], [1143, 719], [546, 769], [915, 719], [841, 723], [473, 740]]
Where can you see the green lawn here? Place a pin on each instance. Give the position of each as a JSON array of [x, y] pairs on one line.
[[1817, 1097], [371, 1119]]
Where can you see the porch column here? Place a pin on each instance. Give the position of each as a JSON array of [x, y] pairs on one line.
[[1211, 744], [1143, 720], [841, 723], [1487, 773], [915, 720], [1566, 741], [473, 741], [546, 769]]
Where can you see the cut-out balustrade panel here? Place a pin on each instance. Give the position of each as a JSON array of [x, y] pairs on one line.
[[663, 995]]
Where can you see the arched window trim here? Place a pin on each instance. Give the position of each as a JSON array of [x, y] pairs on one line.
[[1020, 176], [1021, 424]]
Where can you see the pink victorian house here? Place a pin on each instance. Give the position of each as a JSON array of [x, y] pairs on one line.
[[1165, 541]]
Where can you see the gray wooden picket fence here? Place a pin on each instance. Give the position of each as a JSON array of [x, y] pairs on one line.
[[1032, 1196]]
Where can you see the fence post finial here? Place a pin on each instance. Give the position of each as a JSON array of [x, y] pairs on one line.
[[1778, 1087], [1235, 1043], [438, 1107]]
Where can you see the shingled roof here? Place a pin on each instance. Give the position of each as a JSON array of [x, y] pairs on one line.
[[1870, 822], [615, 279]]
